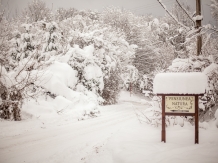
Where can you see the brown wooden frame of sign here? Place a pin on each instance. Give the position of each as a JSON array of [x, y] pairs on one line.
[[163, 132]]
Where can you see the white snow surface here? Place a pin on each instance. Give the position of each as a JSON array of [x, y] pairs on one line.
[[180, 83], [114, 137], [58, 78]]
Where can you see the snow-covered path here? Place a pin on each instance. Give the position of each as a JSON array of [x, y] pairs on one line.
[[66, 143], [114, 137]]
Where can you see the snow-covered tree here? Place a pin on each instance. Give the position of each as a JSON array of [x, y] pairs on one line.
[[214, 9], [19, 71], [63, 13], [51, 40], [124, 21], [109, 51], [22, 44], [112, 87], [36, 11]]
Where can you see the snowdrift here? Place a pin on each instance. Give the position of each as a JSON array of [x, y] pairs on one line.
[[60, 80]]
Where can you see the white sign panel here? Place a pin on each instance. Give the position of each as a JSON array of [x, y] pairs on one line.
[[180, 104]]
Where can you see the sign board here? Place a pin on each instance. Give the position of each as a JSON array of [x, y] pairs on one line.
[[180, 93], [180, 104]]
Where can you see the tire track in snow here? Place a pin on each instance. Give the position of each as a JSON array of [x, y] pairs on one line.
[[81, 125], [51, 143]]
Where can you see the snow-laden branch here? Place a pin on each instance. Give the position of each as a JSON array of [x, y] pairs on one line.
[[208, 26], [171, 15], [24, 66], [215, 30], [193, 36], [206, 41]]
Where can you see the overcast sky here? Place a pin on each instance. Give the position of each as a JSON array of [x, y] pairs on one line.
[[136, 6]]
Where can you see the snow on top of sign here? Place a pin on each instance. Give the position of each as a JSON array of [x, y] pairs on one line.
[[180, 83]]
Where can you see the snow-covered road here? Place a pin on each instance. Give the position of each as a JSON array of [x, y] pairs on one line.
[[114, 137], [66, 143]]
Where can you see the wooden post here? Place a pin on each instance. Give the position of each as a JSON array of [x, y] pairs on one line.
[[196, 121], [163, 132], [198, 25]]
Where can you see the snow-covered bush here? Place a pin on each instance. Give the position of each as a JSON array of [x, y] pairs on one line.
[[50, 41], [21, 64], [38, 43], [89, 73], [22, 45], [95, 46], [51, 37], [112, 87], [10, 97]]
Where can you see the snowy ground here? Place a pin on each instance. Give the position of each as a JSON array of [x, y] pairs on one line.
[[114, 137]]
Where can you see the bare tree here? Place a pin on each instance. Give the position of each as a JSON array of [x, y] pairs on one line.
[[37, 11], [62, 13]]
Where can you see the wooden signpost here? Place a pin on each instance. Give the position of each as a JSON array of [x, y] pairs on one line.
[[180, 93], [179, 105]]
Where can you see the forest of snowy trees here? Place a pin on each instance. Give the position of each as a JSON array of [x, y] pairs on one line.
[[69, 54]]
